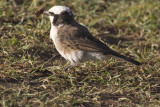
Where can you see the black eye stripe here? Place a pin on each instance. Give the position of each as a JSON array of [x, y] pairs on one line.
[[62, 18], [56, 15], [52, 13]]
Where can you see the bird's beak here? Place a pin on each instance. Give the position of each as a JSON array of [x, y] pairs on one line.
[[47, 13]]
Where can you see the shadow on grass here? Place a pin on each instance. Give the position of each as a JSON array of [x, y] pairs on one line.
[[40, 73], [8, 80]]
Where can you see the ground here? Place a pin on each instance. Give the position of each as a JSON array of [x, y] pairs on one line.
[[31, 70]]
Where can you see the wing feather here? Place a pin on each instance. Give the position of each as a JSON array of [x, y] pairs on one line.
[[78, 37]]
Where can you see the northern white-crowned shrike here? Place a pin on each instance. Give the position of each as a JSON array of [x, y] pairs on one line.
[[74, 42]]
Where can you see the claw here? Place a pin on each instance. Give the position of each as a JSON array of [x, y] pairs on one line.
[[69, 67]]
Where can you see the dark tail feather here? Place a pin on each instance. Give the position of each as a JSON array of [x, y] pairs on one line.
[[125, 58]]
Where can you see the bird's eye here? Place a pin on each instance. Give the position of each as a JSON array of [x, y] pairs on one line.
[[52, 14]]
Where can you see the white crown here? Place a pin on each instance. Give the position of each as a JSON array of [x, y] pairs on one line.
[[59, 9]]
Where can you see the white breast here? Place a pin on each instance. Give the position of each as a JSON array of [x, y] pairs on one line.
[[53, 36], [60, 49], [53, 32]]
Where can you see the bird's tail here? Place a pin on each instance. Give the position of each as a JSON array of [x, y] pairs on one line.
[[124, 57]]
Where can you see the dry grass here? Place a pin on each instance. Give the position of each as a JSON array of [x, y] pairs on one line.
[[31, 70]]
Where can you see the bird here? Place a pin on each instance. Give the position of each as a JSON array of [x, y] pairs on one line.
[[74, 42]]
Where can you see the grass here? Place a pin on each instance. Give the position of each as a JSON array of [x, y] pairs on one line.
[[31, 70]]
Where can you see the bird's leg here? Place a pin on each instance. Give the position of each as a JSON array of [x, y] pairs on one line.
[[70, 66]]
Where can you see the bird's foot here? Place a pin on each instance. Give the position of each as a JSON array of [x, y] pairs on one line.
[[69, 67]]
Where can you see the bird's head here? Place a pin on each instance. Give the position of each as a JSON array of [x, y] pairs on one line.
[[59, 15]]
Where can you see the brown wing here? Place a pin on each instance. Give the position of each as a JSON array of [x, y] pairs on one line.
[[78, 37]]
